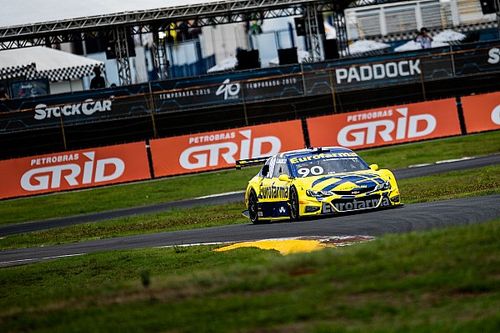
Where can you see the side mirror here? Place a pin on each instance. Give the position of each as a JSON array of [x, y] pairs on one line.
[[284, 178], [374, 167], [265, 170]]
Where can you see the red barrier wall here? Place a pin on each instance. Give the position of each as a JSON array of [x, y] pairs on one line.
[[221, 149], [385, 126], [73, 170], [482, 112]]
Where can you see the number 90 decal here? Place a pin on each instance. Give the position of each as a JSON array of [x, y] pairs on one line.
[[315, 171]]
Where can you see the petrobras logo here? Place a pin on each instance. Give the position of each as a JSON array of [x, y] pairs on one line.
[[86, 108], [59, 171], [495, 115], [494, 56], [227, 148], [229, 90], [378, 71], [373, 126]]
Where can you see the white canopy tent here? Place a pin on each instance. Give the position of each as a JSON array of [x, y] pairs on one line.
[[64, 70]]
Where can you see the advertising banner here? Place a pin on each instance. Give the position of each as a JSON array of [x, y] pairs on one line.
[[481, 58], [73, 170], [222, 89], [482, 112], [91, 106], [385, 126], [221, 149]]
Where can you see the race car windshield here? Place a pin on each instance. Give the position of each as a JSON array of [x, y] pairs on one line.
[[329, 166]]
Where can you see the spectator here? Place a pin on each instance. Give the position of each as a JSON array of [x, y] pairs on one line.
[[3, 94], [424, 39], [98, 81]]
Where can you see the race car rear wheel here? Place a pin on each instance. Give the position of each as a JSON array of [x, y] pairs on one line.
[[253, 208], [294, 204]]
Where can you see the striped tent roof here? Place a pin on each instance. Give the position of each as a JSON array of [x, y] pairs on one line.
[[43, 62]]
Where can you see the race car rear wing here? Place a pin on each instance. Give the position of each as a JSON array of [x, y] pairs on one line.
[[250, 162]]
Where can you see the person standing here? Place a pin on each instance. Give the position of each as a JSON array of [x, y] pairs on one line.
[[424, 39], [98, 81]]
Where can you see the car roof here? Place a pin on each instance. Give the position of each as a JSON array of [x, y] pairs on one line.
[[312, 151]]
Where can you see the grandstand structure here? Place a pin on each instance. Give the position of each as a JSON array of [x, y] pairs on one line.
[[198, 13]]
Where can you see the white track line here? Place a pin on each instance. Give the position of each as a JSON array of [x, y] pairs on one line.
[[443, 162], [43, 258], [219, 195]]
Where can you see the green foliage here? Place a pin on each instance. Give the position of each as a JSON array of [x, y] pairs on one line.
[[436, 281]]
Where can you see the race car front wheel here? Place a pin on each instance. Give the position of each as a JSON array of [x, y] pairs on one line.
[[294, 204], [253, 210]]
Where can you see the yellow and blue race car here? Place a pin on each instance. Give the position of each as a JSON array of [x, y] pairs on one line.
[[316, 181]]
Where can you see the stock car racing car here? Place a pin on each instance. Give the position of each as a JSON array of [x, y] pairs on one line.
[[316, 181]]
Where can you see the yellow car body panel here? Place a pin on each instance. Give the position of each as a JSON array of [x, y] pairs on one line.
[[321, 181]]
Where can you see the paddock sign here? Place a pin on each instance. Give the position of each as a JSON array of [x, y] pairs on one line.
[[73, 170], [482, 112], [221, 149], [386, 126]]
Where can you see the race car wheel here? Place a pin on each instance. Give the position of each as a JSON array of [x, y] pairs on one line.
[[253, 210], [294, 204]]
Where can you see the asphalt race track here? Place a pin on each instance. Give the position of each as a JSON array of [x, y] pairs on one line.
[[227, 198], [420, 216]]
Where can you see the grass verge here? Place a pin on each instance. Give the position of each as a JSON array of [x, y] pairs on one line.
[[435, 281], [170, 189], [457, 184]]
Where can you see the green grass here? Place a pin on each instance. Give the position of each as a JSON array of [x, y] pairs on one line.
[[457, 184], [437, 281], [170, 189]]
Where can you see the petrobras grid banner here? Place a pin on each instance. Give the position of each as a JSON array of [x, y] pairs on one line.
[[482, 112], [73, 170], [386, 126], [221, 149]]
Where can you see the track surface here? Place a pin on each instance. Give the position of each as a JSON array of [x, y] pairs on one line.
[[223, 199], [420, 216]]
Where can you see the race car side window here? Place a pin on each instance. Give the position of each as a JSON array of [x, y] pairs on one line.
[[267, 170], [281, 168], [271, 163]]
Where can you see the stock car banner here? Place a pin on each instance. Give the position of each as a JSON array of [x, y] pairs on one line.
[[385, 126], [221, 149], [73, 170], [482, 112]]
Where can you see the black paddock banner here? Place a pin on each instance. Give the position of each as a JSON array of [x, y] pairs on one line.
[[87, 107], [476, 59]]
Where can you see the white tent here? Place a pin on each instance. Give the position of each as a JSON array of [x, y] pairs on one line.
[[363, 46], [226, 64], [49, 63]]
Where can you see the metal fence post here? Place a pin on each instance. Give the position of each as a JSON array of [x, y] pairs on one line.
[[152, 110]]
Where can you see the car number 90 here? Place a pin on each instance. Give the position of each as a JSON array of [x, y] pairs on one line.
[[315, 171]]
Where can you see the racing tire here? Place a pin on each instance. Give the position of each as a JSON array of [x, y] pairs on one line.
[[253, 208], [294, 205]]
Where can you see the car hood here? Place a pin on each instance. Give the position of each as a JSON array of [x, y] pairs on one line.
[[344, 183]]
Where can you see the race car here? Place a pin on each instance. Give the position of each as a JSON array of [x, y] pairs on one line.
[[316, 181]]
